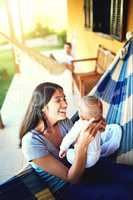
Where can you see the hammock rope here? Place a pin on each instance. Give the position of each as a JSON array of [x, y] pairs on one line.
[[48, 63]]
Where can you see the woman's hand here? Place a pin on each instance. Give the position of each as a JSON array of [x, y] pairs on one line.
[[89, 134], [122, 53], [103, 124]]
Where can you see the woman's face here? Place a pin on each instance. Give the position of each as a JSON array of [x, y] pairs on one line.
[[55, 110]]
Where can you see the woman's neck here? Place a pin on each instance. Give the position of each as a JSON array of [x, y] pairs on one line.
[[50, 121], [53, 135]]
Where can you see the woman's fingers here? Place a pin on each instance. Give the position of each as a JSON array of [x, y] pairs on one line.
[[94, 128], [90, 138], [90, 133], [122, 53]]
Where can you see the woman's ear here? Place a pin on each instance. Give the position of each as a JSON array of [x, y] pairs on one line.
[[44, 109]]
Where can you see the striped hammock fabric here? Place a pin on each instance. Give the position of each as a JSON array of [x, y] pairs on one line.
[[115, 89]]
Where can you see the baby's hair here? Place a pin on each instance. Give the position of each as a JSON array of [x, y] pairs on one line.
[[92, 100]]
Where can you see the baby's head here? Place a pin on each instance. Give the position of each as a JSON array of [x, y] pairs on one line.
[[90, 107]]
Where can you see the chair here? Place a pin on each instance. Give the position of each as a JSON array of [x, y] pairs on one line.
[[86, 81]]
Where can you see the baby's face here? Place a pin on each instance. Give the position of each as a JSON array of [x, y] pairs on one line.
[[91, 111]]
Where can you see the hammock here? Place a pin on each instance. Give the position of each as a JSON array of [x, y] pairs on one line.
[[45, 62], [115, 89], [38, 68]]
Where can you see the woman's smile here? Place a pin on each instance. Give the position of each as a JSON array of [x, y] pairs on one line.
[[62, 111]]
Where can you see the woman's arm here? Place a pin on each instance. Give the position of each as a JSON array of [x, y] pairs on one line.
[[56, 168], [73, 174]]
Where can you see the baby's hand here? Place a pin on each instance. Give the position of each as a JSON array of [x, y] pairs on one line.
[[62, 153], [122, 53]]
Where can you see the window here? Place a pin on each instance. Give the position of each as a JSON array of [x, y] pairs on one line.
[[88, 13], [106, 16]]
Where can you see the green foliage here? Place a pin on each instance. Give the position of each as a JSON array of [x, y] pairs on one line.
[[4, 85], [6, 72], [62, 37], [40, 31], [6, 61]]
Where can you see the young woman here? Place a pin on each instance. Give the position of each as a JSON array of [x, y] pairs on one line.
[[44, 126]]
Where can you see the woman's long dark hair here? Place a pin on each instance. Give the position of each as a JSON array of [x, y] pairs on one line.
[[41, 96]]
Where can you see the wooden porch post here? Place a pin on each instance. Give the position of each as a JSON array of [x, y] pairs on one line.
[[1, 123], [13, 32]]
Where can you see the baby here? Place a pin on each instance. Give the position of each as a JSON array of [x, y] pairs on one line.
[[104, 143]]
